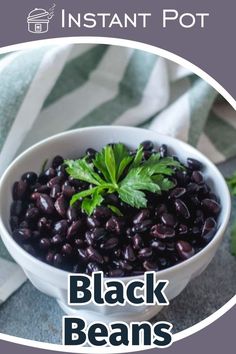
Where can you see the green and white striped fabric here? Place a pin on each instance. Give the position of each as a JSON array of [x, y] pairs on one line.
[[54, 88], [58, 87]]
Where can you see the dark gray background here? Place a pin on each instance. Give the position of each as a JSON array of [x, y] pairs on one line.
[[209, 48]]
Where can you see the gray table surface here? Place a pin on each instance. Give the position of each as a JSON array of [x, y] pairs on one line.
[[33, 315]]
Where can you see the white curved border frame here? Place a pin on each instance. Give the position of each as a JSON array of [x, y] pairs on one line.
[[218, 87]]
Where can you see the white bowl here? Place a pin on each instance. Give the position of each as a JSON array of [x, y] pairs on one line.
[[53, 281]]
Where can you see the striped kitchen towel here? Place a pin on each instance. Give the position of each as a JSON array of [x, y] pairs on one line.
[[53, 88]]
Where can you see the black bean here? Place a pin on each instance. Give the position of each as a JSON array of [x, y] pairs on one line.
[[137, 242], [94, 255], [42, 189], [32, 214], [50, 172], [158, 245], [74, 229], [102, 213], [34, 196], [145, 253], [82, 254], [61, 206], [55, 181], [57, 161], [17, 208], [170, 246], [55, 191], [24, 224], [57, 260], [112, 199], [207, 237], [22, 235], [75, 182], [14, 222], [182, 209], [143, 227], [78, 242], [93, 267], [213, 196], [150, 266], [147, 154], [195, 201], [168, 219], [114, 224], [91, 153], [177, 192], [211, 206], [60, 227], [162, 231], [88, 238], [45, 204], [194, 164], [19, 190], [77, 268], [44, 225], [184, 249], [126, 266], [29, 177], [163, 263], [44, 244], [98, 233], [182, 178], [116, 273], [67, 250], [49, 257], [197, 177], [92, 222], [141, 216], [183, 229], [163, 150], [57, 240], [147, 145], [68, 191], [209, 224], [192, 188], [110, 243], [160, 209], [35, 235], [72, 213], [129, 254]]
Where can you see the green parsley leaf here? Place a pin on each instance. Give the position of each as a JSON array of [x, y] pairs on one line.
[[137, 199], [99, 163], [82, 170], [89, 204], [137, 158], [115, 210], [164, 183], [137, 178], [117, 171], [82, 194], [110, 163], [164, 166]]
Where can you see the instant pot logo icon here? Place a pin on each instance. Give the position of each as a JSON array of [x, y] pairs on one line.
[[38, 19]]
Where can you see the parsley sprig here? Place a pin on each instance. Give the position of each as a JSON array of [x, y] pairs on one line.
[[114, 170]]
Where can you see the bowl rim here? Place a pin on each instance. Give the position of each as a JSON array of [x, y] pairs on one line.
[[60, 272]]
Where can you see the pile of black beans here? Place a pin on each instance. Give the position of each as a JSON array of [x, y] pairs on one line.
[[175, 225]]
